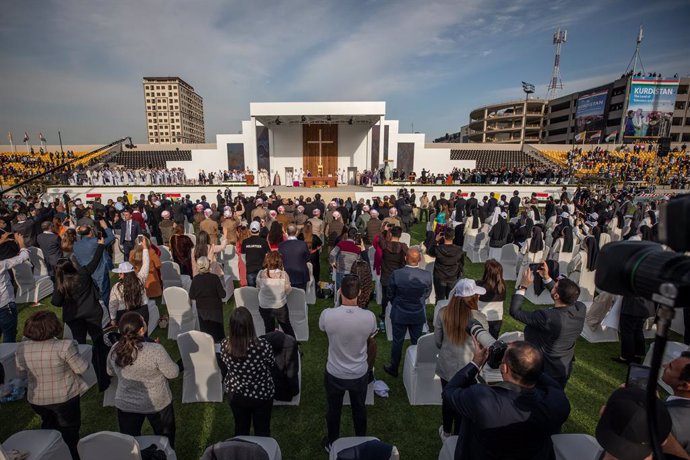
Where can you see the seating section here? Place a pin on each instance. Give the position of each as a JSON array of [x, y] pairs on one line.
[[150, 158], [20, 166], [495, 159]]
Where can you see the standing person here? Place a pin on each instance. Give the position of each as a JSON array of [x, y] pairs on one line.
[[152, 283], [84, 250], [242, 234], [343, 255], [129, 230], [514, 205], [314, 244], [408, 289], [634, 312], [254, 249], [348, 328], [373, 227], [494, 284], [166, 228], [49, 242], [553, 330], [676, 375], [129, 293], [143, 369], [209, 226], [392, 258], [274, 286], [8, 305], [208, 292], [424, 207], [181, 249], [248, 382], [455, 344], [205, 248], [53, 368], [449, 264], [295, 255]]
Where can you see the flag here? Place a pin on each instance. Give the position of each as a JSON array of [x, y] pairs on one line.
[[580, 136], [611, 137], [26, 136], [41, 137], [9, 136]]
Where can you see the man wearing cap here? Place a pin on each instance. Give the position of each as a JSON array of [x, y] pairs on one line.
[[373, 227], [527, 407], [408, 289], [166, 228], [677, 376], [255, 249], [553, 330], [623, 431], [363, 219], [129, 230], [259, 211], [317, 225], [209, 226]]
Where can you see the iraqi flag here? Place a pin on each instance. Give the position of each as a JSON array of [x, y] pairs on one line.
[[26, 136], [611, 137]]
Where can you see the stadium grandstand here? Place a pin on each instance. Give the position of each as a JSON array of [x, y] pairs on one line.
[[150, 158], [499, 158]]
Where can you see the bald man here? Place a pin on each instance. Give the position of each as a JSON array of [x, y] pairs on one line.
[[408, 289]]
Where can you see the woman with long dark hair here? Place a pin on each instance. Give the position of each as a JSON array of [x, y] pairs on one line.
[[314, 244], [143, 370], [181, 248], [273, 283], [248, 382], [204, 248], [275, 235], [455, 344], [494, 284], [129, 293]]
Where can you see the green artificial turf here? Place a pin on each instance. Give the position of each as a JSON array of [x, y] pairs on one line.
[[299, 430]]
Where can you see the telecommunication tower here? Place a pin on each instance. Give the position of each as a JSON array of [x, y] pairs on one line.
[[559, 38], [637, 58]]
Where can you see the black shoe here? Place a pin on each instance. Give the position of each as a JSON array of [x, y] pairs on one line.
[[326, 445], [390, 371], [621, 360]]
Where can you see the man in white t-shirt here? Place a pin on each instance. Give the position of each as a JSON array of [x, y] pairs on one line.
[[348, 328]]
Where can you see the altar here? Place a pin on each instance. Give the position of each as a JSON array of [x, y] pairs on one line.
[[323, 181]]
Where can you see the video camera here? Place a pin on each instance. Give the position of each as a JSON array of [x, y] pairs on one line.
[[497, 348]]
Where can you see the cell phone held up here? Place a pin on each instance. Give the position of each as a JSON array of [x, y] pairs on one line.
[[638, 376]]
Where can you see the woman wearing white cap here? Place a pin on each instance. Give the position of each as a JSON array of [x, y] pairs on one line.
[[455, 344], [129, 293]]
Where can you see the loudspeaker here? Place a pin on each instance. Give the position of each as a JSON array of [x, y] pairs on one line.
[[664, 146]]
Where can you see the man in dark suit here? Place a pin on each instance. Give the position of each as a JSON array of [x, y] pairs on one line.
[[408, 289], [295, 257], [472, 204], [514, 205], [25, 226], [49, 243], [527, 407], [634, 312], [554, 331], [460, 206], [129, 230], [677, 376]]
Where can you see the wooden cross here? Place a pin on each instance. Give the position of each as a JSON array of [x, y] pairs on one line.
[[320, 142]]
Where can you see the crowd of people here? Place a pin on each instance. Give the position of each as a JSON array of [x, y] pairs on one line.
[[279, 244]]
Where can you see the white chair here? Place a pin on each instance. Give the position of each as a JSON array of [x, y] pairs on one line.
[[38, 261], [678, 324], [231, 262], [154, 316], [188, 228], [369, 401], [671, 352], [542, 299], [89, 377], [202, 381], [597, 334], [170, 276], [108, 445], [586, 283], [229, 285], [192, 237], [406, 238], [270, 445], [166, 255], [422, 384], [8, 352], [182, 316], [110, 392], [468, 242], [295, 399], [492, 375], [564, 259], [118, 256], [341, 444], [448, 449], [41, 445], [437, 308], [492, 310], [297, 308], [430, 268], [389, 325], [31, 288], [509, 260], [480, 249], [248, 297], [310, 293], [576, 446]]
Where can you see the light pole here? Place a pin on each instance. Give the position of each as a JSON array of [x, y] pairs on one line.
[[528, 88]]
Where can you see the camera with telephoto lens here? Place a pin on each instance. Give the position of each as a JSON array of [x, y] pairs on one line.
[[497, 348], [645, 269]]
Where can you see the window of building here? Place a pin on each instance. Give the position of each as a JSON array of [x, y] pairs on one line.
[[680, 105], [683, 89], [675, 137], [687, 121], [686, 137], [677, 121]]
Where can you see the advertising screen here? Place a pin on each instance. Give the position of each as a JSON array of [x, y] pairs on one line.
[[650, 107], [590, 120]]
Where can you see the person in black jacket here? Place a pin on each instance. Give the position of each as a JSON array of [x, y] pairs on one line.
[[514, 205], [634, 312], [449, 264], [78, 296], [286, 367], [208, 291]]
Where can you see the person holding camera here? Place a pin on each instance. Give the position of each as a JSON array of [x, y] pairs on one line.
[[526, 408], [553, 330]]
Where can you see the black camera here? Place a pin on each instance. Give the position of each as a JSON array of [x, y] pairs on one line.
[[497, 348]]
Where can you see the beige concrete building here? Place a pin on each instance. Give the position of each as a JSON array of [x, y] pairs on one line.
[[508, 122], [174, 112]]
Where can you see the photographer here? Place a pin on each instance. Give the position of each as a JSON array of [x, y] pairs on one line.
[[526, 408], [553, 330]]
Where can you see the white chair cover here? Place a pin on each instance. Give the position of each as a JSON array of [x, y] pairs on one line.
[[248, 297], [182, 316], [8, 353], [231, 262], [202, 381], [430, 268], [170, 276], [270, 445], [492, 310], [494, 375], [229, 285], [671, 352], [30, 288], [598, 335], [369, 401], [440, 304], [165, 256], [192, 237], [586, 283], [542, 299], [108, 445], [311, 286], [495, 253], [341, 444], [154, 316], [38, 261], [109, 394], [468, 242], [406, 238], [564, 259], [41, 444], [479, 251], [295, 399], [509, 260], [389, 325], [422, 384], [118, 256], [297, 308], [448, 449], [576, 446]]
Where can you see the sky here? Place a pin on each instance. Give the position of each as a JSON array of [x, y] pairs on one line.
[[76, 66]]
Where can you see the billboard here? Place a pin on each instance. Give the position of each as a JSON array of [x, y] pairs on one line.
[[650, 107], [590, 116]]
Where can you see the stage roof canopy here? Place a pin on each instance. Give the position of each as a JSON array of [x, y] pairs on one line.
[[304, 113]]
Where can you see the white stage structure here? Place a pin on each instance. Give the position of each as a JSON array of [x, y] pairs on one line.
[[327, 136]]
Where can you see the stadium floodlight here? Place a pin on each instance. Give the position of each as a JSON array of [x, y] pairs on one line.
[[528, 88]]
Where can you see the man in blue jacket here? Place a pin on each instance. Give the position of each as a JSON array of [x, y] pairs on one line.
[[512, 419], [408, 289], [85, 248]]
